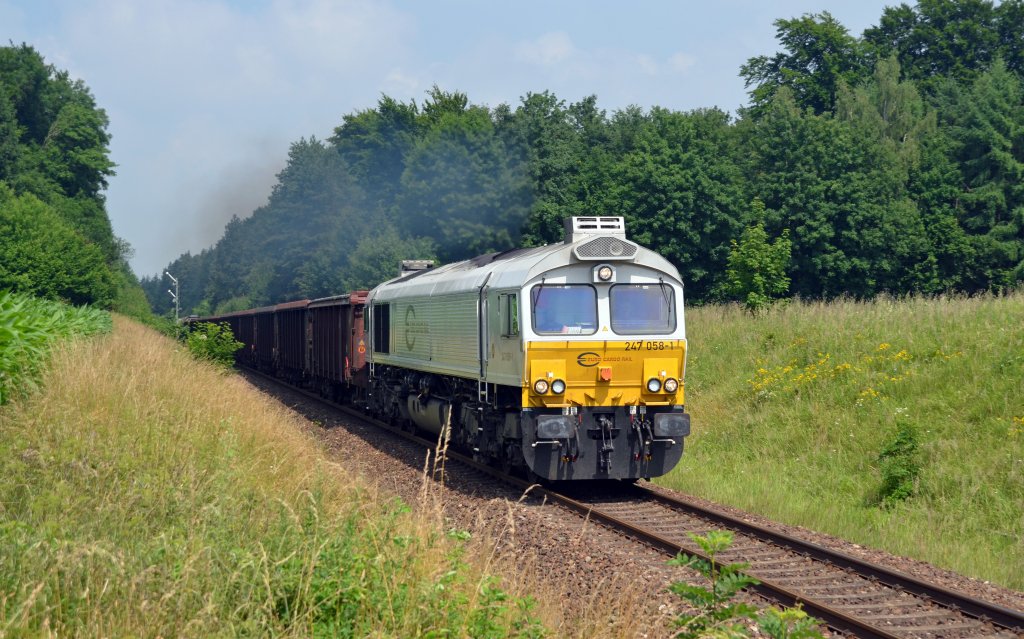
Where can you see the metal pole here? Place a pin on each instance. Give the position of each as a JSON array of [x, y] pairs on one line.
[[174, 294]]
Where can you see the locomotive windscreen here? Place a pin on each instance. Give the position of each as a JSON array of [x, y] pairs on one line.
[[570, 309], [642, 308]]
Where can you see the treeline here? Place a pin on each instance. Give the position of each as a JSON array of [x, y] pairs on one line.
[[56, 241], [893, 162]]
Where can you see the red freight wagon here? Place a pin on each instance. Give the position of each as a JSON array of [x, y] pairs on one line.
[[290, 338], [264, 338], [337, 344], [243, 326]]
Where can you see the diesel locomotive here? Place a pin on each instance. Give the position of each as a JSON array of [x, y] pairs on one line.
[[565, 362]]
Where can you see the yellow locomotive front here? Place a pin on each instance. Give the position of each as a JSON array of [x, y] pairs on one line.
[[605, 358]]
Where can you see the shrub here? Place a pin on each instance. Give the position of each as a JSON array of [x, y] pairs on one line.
[[213, 342], [756, 271], [900, 465], [42, 255]]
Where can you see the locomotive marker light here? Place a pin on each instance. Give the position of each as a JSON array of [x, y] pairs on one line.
[[671, 385], [541, 386], [654, 385], [558, 387]]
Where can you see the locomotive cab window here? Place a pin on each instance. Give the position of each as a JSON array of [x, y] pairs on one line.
[[382, 328], [642, 308], [569, 309], [508, 311]]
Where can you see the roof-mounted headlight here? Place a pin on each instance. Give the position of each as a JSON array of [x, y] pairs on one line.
[[604, 273]]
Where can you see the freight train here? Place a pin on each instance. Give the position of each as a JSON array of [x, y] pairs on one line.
[[562, 362]]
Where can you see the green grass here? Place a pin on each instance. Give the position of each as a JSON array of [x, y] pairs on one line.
[[29, 328], [792, 411], [146, 494]]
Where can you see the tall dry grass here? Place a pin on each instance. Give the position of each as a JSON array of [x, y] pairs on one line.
[[146, 494]]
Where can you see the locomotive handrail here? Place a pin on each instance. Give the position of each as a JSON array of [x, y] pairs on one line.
[[553, 442]]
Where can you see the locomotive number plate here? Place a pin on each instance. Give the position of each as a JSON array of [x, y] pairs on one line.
[[648, 346]]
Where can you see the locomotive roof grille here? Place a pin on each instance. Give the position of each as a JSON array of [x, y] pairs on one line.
[[606, 248]]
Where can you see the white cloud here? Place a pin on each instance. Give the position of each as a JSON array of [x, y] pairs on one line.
[[398, 81], [548, 50], [681, 62], [645, 64]]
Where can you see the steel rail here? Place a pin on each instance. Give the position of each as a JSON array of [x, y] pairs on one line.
[[970, 606]]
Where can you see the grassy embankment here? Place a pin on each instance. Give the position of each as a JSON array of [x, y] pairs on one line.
[[792, 410], [145, 494]]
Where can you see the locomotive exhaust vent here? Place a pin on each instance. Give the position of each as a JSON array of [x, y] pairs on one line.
[[407, 267], [577, 228], [609, 238]]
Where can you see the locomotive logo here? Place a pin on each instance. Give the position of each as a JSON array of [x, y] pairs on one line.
[[588, 359], [410, 317], [414, 327]]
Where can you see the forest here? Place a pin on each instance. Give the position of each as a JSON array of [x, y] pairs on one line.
[[886, 163], [56, 241], [893, 162]]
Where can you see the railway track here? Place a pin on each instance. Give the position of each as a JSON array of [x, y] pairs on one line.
[[853, 596]]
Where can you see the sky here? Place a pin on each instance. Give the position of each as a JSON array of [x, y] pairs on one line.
[[205, 96]]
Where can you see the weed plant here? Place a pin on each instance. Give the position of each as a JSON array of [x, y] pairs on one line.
[[822, 414], [716, 613], [29, 327], [145, 494], [900, 465]]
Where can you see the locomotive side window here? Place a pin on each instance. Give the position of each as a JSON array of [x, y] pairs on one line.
[[643, 308], [508, 308], [569, 309], [382, 328]]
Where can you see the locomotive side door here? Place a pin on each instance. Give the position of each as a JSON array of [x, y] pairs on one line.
[[504, 350]]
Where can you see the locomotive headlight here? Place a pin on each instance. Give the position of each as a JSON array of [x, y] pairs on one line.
[[671, 385], [604, 273], [558, 387], [540, 386], [654, 385]]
